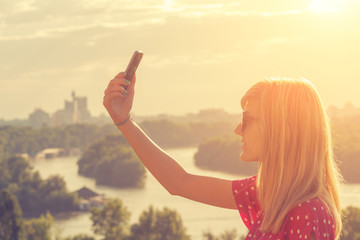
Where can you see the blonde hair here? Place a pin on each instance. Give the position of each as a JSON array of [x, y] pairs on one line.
[[296, 162]]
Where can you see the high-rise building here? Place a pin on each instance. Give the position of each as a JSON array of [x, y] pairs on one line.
[[75, 111]]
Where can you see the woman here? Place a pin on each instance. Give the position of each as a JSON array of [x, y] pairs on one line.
[[285, 128]]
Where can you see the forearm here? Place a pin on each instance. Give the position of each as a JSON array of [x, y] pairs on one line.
[[162, 166]]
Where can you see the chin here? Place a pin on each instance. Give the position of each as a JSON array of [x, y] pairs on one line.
[[245, 158]]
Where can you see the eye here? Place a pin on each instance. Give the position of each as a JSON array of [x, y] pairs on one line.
[[245, 121]]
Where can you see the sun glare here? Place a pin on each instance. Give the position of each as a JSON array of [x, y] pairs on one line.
[[169, 3], [326, 5]]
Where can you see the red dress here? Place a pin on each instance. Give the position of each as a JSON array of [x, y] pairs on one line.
[[309, 217]]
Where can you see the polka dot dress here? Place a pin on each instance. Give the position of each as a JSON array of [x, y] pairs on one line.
[[306, 219]]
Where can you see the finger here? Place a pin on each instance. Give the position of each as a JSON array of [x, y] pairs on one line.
[[115, 89], [123, 75], [112, 95], [134, 78], [132, 83], [120, 74], [119, 82]]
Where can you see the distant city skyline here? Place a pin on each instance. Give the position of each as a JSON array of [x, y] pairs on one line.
[[191, 111], [196, 55], [76, 111]]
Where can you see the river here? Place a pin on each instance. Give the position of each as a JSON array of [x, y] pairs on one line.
[[197, 217]]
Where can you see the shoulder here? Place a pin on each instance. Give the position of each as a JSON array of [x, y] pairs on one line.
[[245, 188], [244, 184], [244, 191], [310, 218]]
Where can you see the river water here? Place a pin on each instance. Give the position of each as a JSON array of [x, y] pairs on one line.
[[197, 217]]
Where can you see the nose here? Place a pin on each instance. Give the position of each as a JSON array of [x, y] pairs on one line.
[[238, 129]]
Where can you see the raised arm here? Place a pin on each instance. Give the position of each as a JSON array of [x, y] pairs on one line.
[[208, 190]]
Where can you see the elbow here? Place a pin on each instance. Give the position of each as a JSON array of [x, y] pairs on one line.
[[177, 187], [173, 191]]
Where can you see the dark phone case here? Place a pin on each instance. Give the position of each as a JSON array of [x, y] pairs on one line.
[[133, 64]]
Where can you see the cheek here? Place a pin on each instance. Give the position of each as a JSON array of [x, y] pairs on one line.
[[254, 152], [254, 144], [259, 136]]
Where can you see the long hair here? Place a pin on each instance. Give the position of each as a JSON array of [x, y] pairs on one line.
[[296, 162]]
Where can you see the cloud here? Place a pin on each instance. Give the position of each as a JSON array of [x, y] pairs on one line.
[[25, 12], [32, 19], [57, 31]]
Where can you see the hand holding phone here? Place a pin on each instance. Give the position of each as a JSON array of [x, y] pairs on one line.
[[119, 106], [133, 64]]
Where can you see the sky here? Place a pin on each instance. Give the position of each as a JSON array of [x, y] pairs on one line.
[[197, 54]]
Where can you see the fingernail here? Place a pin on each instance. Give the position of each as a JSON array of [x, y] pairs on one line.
[[125, 90], [122, 73], [127, 82], [124, 94]]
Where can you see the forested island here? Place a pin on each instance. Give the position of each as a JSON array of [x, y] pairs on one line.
[[222, 153], [169, 134], [111, 161]]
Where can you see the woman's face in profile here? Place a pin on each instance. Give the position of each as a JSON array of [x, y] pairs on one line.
[[250, 131]]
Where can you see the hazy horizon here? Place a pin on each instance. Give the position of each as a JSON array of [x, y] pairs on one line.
[[196, 55]]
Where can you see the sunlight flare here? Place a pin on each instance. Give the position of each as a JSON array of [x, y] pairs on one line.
[[320, 6]]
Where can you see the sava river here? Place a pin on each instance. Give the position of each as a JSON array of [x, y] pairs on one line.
[[196, 217]]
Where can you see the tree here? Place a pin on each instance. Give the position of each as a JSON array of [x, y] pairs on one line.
[[54, 183], [18, 167], [39, 228], [207, 235], [156, 224], [10, 217], [5, 175], [351, 223], [80, 237], [111, 221], [227, 235]]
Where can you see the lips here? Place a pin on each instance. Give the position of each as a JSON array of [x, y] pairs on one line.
[[243, 146]]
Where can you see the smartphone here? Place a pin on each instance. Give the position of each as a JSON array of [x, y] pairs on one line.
[[133, 64]]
